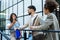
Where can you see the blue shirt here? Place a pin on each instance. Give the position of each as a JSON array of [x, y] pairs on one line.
[[16, 25]]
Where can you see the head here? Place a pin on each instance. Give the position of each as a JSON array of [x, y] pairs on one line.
[[13, 17], [31, 9], [49, 7]]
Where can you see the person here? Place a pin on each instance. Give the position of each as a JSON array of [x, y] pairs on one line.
[[33, 20], [12, 25], [50, 23]]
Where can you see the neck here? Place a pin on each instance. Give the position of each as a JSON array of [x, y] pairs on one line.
[[48, 13], [14, 20], [32, 13]]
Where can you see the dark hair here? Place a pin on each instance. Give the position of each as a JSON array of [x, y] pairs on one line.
[[50, 5], [11, 19], [32, 7]]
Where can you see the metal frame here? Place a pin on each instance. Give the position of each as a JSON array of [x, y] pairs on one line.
[[25, 38]]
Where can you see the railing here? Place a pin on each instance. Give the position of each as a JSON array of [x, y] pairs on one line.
[[2, 34]]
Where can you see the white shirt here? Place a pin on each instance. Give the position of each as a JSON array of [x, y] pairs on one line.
[[32, 19]]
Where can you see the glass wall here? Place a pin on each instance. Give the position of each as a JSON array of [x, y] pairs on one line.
[[20, 7]]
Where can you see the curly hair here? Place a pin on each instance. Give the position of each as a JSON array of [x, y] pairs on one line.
[[51, 5]]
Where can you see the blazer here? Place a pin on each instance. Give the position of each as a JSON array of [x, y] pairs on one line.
[[51, 23]]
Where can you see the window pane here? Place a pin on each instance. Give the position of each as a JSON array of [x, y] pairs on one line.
[[10, 11], [20, 19], [37, 4], [15, 9], [20, 9], [10, 2], [6, 4], [26, 4], [26, 19], [2, 5], [7, 14], [14, 1], [43, 2]]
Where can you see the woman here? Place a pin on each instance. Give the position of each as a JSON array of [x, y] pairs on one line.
[[51, 20], [13, 24], [50, 23]]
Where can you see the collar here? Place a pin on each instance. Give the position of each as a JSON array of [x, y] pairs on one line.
[[34, 15]]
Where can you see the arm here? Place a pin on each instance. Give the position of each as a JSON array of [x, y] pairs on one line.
[[24, 26], [44, 24], [11, 25]]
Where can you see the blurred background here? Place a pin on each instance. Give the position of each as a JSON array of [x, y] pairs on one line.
[[20, 8]]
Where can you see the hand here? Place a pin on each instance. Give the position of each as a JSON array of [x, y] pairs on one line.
[[14, 21]]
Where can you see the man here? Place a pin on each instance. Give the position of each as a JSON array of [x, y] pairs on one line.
[[51, 22], [34, 19]]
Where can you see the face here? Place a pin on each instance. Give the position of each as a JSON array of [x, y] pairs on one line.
[[45, 11], [14, 17], [29, 11]]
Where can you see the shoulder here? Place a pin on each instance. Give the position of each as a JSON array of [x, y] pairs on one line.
[[39, 17], [53, 15], [50, 16]]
